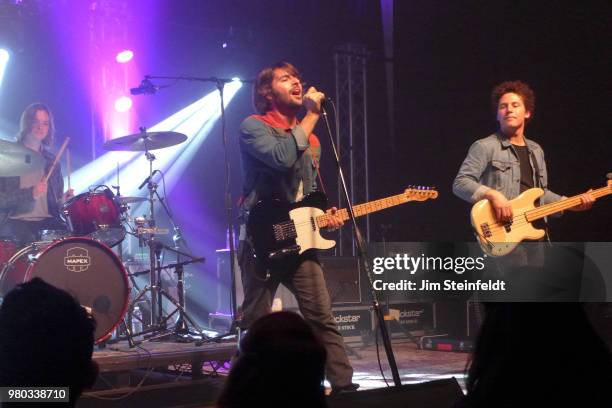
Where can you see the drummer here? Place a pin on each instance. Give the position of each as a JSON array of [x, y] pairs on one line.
[[31, 205]]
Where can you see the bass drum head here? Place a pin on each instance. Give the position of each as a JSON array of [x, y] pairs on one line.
[[92, 273]]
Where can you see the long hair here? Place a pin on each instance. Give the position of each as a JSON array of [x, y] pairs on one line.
[[263, 85], [27, 122]]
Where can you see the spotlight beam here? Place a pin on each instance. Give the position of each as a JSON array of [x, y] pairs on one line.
[[195, 121], [4, 59]]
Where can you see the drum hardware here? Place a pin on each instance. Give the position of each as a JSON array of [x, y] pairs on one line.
[[152, 231], [146, 231], [129, 200], [181, 331]]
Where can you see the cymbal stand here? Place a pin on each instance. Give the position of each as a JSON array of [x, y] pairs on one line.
[[181, 331], [154, 254], [177, 333], [158, 321], [154, 250]]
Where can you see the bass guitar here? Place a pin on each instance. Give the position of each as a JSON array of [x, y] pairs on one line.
[[500, 238]]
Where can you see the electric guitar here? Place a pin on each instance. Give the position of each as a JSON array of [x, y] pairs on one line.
[[280, 229], [500, 238]]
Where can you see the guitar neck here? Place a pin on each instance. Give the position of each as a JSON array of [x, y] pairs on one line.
[[365, 208], [558, 206]]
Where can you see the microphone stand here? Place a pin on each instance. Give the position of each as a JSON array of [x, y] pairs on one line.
[[361, 252], [220, 84]]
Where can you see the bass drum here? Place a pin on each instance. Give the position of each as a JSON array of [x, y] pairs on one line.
[[12, 267], [88, 270]]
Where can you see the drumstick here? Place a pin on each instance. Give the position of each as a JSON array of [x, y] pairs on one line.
[[59, 155], [68, 166]]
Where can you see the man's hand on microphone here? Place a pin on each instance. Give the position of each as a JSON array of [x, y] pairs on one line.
[[312, 100]]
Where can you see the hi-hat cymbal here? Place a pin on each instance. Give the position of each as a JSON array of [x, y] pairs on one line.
[[141, 142], [16, 159], [130, 200]]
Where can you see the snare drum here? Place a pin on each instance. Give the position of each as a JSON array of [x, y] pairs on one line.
[[95, 214], [85, 268]]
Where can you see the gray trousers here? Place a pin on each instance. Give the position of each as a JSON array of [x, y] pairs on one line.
[[304, 278]]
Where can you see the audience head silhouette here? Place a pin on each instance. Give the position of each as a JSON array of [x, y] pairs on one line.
[[281, 364], [46, 339]]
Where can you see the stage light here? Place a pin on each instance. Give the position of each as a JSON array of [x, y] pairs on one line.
[[124, 56], [4, 59], [123, 104], [195, 121]]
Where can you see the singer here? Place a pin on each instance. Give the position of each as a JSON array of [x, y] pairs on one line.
[[280, 160], [27, 203]]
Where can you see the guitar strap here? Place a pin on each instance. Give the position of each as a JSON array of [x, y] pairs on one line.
[[316, 164], [539, 185]]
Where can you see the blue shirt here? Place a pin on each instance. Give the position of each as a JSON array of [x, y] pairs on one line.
[[493, 162], [275, 160]]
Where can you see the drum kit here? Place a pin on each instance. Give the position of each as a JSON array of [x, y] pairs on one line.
[[80, 259]]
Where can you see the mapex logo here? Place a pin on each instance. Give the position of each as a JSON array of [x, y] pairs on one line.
[[77, 259], [347, 319]]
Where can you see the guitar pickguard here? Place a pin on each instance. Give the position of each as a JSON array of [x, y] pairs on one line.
[[307, 231]]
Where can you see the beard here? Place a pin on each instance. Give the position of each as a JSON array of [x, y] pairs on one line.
[[284, 101]]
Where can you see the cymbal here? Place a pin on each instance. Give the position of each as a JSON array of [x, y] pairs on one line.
[[141, 142], [16, 159], [130, 200]]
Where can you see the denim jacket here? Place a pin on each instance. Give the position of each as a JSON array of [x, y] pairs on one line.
[[493, 162], [275, 160]]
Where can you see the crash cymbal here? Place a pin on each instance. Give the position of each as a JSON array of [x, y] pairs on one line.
[[16, 159], [141, 142], [130, 200]]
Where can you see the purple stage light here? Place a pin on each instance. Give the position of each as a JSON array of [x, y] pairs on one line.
[[123, 104], [124, 56]]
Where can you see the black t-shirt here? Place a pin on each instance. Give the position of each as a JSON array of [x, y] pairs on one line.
[[526, 170]]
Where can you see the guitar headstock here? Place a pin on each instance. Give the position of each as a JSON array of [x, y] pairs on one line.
[[420, 193]]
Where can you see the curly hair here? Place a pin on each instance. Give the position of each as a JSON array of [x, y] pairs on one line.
[[518, 87], [263, 85]]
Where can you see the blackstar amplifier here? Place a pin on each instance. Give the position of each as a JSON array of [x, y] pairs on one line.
[[355, 323], [411, 316]]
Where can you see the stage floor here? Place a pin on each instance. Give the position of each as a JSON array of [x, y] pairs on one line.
[[160, 373], [414, 365]]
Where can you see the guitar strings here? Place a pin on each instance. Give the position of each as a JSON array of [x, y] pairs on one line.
[[538, 211], [380, 204]]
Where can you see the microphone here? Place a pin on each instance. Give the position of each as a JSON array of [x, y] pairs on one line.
[[146, 87], [325, 102], [146, 181]]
